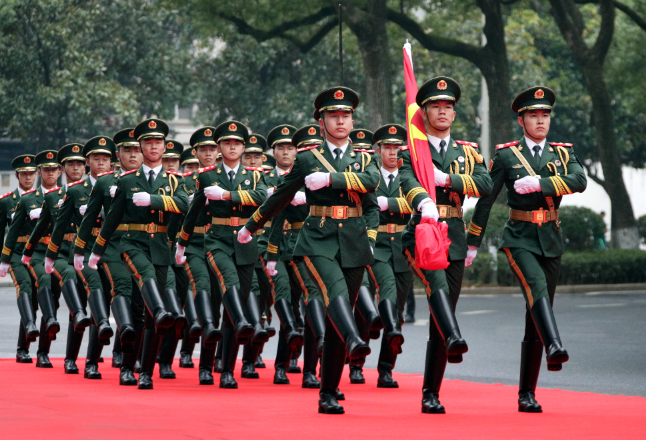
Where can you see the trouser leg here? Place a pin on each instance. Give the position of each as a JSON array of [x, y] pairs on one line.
[[29, 330]]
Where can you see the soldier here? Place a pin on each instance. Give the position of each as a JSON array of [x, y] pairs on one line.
[[233, 192], [144, 201], [127, 304], [459, 172], [25, 167], [337, 237], [536, 176]]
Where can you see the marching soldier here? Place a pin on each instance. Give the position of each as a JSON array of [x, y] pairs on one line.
[[144, 200], [537, 176], [338, 236], [25, 168], [459, 172]]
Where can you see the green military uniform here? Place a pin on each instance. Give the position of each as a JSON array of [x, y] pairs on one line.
[[336, 238], [532, 238], [231, 262], [145, 246]]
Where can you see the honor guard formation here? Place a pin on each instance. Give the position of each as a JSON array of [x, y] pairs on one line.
[[318, 222]]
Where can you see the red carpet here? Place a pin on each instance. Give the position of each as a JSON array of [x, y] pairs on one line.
[[47, 404]]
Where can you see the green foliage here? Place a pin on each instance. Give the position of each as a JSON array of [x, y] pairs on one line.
[[495, 225], [608, 267], [583, 229]]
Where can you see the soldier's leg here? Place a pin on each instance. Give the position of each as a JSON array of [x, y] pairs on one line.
[[130, 305], [410, 305], [28, 331], [266, 295], [314, 302], [170, 340], [216, 302], [254, 314], [49, 325], [300, 321], [192, 332], [364, 314]]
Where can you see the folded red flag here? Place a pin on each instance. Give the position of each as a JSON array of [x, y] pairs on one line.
[[432, 245]]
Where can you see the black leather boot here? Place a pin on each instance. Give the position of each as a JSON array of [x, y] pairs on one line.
[[249, 371], [444, 316], [543, 317], [155, 305], [72, 349], [217, 364], [271, 331], [249, 356], [166, 371], [166, 356], [210, 333], [44, 343], [531, 353], [259, 363], [229, 354], [194, 328], [356, 374], [293, 366], [46, 302], [234, 308], [97, 304], [123, 317], [27, 318], [393, 336], [186, 352], [387, 359], [94, 349], [436, 358], [410, 307], [340, 313], [207, 354], [331, 371], [285, 313], [74, 304], [174, 306], [253, 315], [310, 359], [126, 376], [282, 359], [310, 380], [150, 348], [316, 318], [366, 306], [22, 350], [116, 358]]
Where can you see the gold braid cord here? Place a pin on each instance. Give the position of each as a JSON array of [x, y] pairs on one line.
[[372, 234], [560, 186], [565, 157], [404, 207], [79, 243], [414, 193], [246, 199], [169, 204], [474, 230]]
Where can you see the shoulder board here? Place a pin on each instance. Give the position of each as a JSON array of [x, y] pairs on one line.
[[508, 144], [560, 144], [265, 171], [282, 173], [174, 173], [311, 147], [128, 172], [29, 192], [403, 148], [189, 173], [56, 188], [204, 170], [5, 195], [105, 174], [255, 169], [364, 151], [471, 144], [75, 183]]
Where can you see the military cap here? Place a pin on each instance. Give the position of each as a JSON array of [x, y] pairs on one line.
[[361, 138], [24, 162], [173, 149], [268, 162], [47, 159], [202, 136], [282, 133], [390, 134], [115, 159], [231, 130], [534, 98], [99, 145], [125, 138], [70, 152], [335, 99], [440, 88], [309, 134], [187, 157], [256, 144], [151, 128]]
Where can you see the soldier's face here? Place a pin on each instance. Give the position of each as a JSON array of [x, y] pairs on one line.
[[74, 170], [252, 160], [49, 176], [388, 153], [439, 114], [26, 179], [170, 164], [152, 149], [206, 154], [99, 163], [536, 123], [285, 153], [191, 167], [231, 149], [130, 158], [339, 124]]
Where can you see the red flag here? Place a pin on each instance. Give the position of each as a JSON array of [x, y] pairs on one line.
[[420, 154]]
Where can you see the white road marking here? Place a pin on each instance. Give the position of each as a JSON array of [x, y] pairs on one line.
[[592, 306], [421, 322], [477, 312]]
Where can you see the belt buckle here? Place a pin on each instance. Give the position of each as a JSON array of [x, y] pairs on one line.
[[392, 228], [339, 212], [444, 210], [235, 221], [539, 217], [151, 228]]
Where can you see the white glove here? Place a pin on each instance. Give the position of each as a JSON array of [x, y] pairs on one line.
[[440, 177], [270, 191], [214, 192], [4, 267], [35, 213], [383, 203], [113, 190], [317, 180], [179, 254], [94, 259], [49, 265], [299, 198], [271, 268], [60, 202], [429, 210], [82, 209], [244, 236], [12, 215], [78, 262], [471, 255], [527, 184], [25, 260], [141, 199], [372, 250], [190, 198]]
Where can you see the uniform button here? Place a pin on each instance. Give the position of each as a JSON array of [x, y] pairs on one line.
[[152, 235], [308, 224], [340, 225], [392, 213], [444, 190], [235, 232], [341, 194], [234, 208], [72, 224], [517, 176], [392, 238], [511, 223], [284, 233], [152, 212], [208, 213]]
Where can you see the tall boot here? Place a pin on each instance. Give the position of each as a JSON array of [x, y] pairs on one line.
[[531, 353], [207, 356], [543, 317], [410, 307], [356, 365], [194, 328], [282, 359], [340, 313], [285, 313], [122, 312], [74, 340], [166, 355], [186, 350], [174, 306], [366, 306], [233, 305], [44, 343], [126, 375], [387, 359], [331, 372], [27, 317], [444, 316], [22, 350], [229, 354], [388, 311], [94, 349], [96, 301], [436, 357], [155, 305], [74, 304], [254, 317], [203, 308], [117, 353], [249, 356], [310, 359], [217, 365], [150, 348], [316, 318], [46, 302]]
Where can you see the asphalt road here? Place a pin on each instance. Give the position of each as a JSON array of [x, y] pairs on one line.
[[603, 333]]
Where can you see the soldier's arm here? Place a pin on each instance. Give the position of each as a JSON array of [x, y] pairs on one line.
[[572, 182], [478, 184], [399, 205], [93, 210], [174, 225], [253, 197], [276, 236], [40, 229], [65, 217], [112, 220], [199, 200], [362, 182], [176, 203], [478, 224], [4, 219], [19, 218], [413, 190], [370, 209]]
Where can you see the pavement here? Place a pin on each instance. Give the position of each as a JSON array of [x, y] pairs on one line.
[[602, 331]]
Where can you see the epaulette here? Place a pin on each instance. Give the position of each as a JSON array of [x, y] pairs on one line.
[[403, 148], [311, 147], [471, 144], [189, 173], [265, 171], [30, 191], [69, 185], [282, 173], [174, 173], [105, 174], [5, 195], [128, 172], [362, 150], [205, 169], [56, 188], [508, 144], [255, 169], [560, 144]]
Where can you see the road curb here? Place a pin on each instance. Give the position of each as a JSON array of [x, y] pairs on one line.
[[579, 288]]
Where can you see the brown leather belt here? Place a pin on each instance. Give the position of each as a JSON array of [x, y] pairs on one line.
[[335, 212], [295, 226], [391, 228], [196, 230], [69, 237], [150, 228], [233, 221], [447, 211], [25, 239], [540, 216]]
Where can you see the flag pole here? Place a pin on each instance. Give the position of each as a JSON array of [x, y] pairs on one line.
[[341, 42]]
